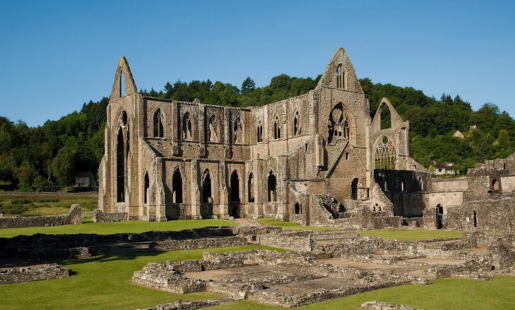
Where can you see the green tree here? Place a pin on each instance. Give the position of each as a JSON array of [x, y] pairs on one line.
[[64, 167]]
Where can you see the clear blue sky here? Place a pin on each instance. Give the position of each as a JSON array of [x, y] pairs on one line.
[[56, 55]]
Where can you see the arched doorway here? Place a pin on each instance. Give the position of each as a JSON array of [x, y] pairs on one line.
[[354, 188], [235, 187], [177, 186], [439, 216], [272, 187], [207, 188]]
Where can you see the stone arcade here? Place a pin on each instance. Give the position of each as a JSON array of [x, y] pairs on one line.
[[308, 159]]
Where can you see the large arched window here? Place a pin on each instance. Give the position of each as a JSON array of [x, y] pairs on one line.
[[120, 167], [235, 187], [385, 154], [212, 129], [187, 129], [272, 187], [177, 186], [338, 124], [250, 187], [207, 188], [386, 116], [158, 124], [146, 187]]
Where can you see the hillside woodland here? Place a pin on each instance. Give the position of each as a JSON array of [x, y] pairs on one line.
[[47, 157]]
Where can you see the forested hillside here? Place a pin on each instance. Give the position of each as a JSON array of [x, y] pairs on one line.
[[47, 157]]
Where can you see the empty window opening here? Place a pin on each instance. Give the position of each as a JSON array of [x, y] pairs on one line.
[[385, 154], [347, 156], [385, 116], [475, 219], [504, 166], [177, 186], [420, 184], [385, 185], [237, 133], [306, 146], [354, 189], [250, 187], [186, 127], [207, 188], [277, 129], [439, 216], [212, 129], [124, 118], [402, 186], [146, 187], [260, 132], [272, 187], [340, 77], [120, 168], [298, 208], [158, 124], [122, 84], [495, 185], [338, 125], [296, 124], [235, 187], [128, 146]]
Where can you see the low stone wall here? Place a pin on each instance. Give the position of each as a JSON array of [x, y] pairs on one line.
[[186, 305], [158, 276], [30, 274], [72, 217], [100, 217], [203, 243], [292, 240], [375, 305], [414, 221]]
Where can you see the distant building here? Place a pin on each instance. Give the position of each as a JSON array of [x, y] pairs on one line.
[[444, 168], [473, 127], [458, 134], [84, 179]]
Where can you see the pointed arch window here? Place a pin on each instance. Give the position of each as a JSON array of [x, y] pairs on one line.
[[212, 128], [235, 187], [250, 187], [237, 131], [122, 84], [340, 77], [385, 154], [187, 129], [277, 128], [354, 189], [207, 188], [260, 132], [296, 124], [158, 124], [120, 167]]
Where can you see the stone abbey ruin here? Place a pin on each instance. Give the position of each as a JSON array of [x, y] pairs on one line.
[[317, 159]]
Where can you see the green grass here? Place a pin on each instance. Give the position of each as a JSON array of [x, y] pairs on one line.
[[112, 228], [29, 204], [289, 225], [102, 283], [444, 294], [412, 234]]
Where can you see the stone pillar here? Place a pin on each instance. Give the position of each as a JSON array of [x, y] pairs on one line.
[[195, 191]]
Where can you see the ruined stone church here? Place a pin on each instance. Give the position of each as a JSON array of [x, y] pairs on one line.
[[314, 159], [305, 159]]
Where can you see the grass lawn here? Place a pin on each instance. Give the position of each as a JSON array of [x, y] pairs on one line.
[[112, 228], [289, 225], [30, 204], [102, 283], [412, 234], [444, 294]]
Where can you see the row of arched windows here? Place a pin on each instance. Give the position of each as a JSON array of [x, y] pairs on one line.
[[213, 128]]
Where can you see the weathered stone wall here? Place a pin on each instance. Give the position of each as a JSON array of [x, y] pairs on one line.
[[33, 273], [203, 243], [186, 305], [100, 216], [73, 217], [291, 240]]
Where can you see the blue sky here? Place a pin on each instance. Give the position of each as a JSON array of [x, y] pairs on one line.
[[56, 55]]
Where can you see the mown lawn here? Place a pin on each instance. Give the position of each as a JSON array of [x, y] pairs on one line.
[[102, 283], [289, 225], [113, 228], [30, 204], [412, 234]]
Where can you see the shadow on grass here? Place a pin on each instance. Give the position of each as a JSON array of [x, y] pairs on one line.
[[104, 258]]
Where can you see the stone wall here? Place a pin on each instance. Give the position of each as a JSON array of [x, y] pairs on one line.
[[292, 240], [202, 243], [33, 273], [72, 217], [100, 216], [186, 305]]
